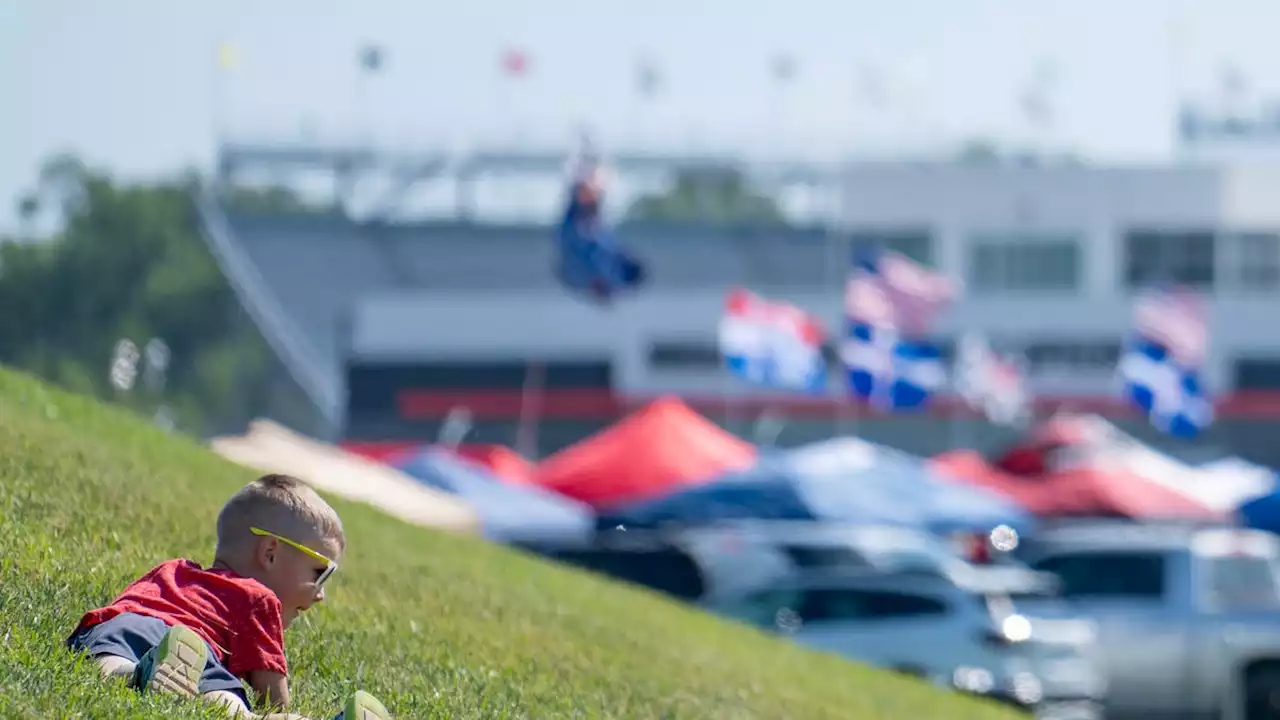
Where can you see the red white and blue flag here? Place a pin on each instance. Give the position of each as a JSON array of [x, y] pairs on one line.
[[889, 291], [890, 304], [772, 343], [1160, 371], [989, 383]]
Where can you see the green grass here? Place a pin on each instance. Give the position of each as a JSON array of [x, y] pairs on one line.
[[436, 626]]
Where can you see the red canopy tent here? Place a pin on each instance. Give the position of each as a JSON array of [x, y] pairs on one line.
[[501, 460], [383, 451], [1051, 477], [658, 448]]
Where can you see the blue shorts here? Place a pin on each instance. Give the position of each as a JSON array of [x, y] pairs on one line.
[[130, 636]]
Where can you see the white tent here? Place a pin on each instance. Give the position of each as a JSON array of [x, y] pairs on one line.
[[271, 448], [1221, 485]]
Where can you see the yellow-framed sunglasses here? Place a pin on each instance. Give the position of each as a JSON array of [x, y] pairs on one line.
[[330, 566]]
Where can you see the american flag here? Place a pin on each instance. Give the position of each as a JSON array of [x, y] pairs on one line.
[[989, 383], [1175, 319], [890, 291]]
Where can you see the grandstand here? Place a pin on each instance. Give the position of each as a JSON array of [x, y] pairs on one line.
[[389, 323], [302, 276]]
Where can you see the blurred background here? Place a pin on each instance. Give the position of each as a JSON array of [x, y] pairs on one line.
[[950, 266]]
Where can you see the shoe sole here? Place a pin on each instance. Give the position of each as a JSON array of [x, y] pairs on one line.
[[364, 706], [180, 661]]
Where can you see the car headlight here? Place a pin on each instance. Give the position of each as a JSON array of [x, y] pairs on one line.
[[1016, 628], [972, 679], [1026, 688]]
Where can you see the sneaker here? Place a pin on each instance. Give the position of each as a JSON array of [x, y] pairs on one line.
[[174, 665], [363, 706]]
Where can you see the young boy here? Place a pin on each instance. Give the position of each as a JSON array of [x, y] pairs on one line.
[[197, 632]]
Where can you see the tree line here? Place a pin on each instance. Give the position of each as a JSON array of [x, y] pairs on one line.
[[126, 262]]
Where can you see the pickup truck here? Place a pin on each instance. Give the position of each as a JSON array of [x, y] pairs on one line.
[[1188, 617]]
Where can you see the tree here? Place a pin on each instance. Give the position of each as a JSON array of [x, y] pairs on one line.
[[128, 262], [28, 211], [979, 151], [719, 195]]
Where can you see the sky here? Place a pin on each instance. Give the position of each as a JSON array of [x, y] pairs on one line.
[[133, 86]]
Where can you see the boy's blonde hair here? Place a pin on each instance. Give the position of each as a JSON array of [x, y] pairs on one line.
[[281, 504]]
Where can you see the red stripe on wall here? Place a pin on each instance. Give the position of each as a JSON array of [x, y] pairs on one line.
[[606, 405]]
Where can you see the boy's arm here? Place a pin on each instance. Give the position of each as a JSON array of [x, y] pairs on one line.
[[272, 689]]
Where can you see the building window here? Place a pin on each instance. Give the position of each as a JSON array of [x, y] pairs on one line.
[[1158, 257], [1255, 260], [705, 355], [1075, 356], [1020, 263], [1257, 373], [914, 244], [684, 355]]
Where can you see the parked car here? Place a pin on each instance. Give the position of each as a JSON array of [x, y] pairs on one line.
[[735, 556], [961, 628], [1188, 616], [646, 558]]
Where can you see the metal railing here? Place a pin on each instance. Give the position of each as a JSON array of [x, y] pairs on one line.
[[288, 343]]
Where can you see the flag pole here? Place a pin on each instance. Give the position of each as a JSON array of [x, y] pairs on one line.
[[646, 86], [728, 401], [961, 362], [838, 252], [731, 405], [530, 408], [225, 59], [369, 63]]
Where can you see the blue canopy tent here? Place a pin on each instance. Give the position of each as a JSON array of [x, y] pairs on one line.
[[1262, 513], [855, 482], [509, 513], [944, 506]]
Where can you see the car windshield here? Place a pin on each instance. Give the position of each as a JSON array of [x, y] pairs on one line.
[[1241, 583], [826, 557], [905, 558], [761, 609], [1137, 575]]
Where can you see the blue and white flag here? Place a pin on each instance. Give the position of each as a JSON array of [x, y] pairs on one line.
[[889, 371], [773, 344], [1163, 360]]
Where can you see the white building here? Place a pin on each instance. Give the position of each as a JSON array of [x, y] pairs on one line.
[[1049, 258]]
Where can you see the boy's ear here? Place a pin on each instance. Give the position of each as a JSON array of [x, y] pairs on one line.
[[266, 550]]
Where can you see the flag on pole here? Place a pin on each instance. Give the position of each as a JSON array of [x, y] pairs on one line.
[[648, 79], [888, 370], [1160, 370], [890, 303], [988, 383], [228, 56], [589, 257], [371, 58], [515, 63], [784, 68], [772, 343], [889, 290]]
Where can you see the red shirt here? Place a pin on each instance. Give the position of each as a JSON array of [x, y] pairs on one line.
[[238, 617]]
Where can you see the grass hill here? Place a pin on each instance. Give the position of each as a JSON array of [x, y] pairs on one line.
[[437, 626]]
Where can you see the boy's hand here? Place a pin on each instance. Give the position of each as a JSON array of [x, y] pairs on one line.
[[272, 689]]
